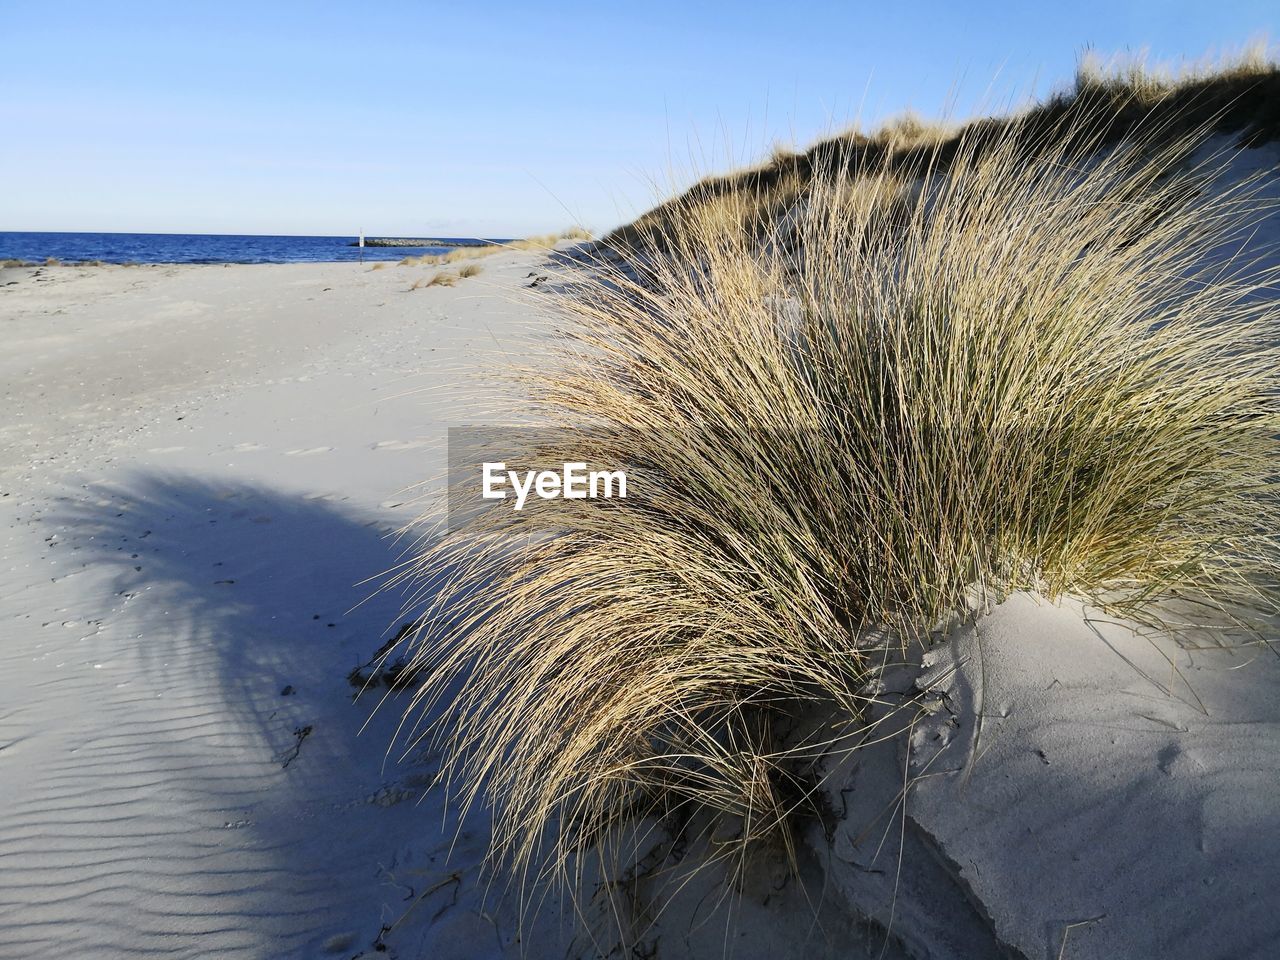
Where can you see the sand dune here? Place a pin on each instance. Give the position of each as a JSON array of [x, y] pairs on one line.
[[1121, 780], [1070, 781], [202, 467]]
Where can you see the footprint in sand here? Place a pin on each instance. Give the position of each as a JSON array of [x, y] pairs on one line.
[[399, 445], [307, 452], [248, 447], [166, 449]]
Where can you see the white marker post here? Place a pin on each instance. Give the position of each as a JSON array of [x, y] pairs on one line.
[[361, 245]]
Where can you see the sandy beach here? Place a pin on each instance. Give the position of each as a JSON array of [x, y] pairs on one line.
[[680, 482], [207, 469], [203, 468], [206, 472]]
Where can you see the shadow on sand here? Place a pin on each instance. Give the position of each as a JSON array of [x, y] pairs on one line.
[[237, 613]]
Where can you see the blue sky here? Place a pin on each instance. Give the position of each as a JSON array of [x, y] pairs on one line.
[[472, 119]]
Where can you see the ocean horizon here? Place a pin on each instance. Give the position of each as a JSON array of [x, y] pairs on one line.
[[39, 246]]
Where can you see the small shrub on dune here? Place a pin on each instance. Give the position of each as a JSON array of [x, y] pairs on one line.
[[470, 270], [440, 278], [1035, 369]]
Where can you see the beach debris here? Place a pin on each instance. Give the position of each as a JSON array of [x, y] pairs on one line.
[[382, 670], [290, 755]]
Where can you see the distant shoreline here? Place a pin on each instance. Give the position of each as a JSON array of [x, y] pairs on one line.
[[429, 242], [38, 248]]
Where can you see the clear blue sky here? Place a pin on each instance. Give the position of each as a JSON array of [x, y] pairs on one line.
[[492, 118]]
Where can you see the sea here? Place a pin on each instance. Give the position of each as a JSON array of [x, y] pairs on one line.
[[207, 248]]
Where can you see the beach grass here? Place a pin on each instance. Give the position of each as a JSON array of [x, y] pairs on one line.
[[541, 242], [1032, 360], [1110, 100], [545, 241], [441, 278]]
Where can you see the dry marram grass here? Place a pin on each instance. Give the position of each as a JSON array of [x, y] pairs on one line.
[[1034, 367], [441, 278], [473, 252]]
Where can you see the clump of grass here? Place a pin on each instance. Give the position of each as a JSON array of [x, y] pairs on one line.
[[380, 265], [471, 253], [425, 258], [909, 129], [15, 262], [1034, 370], [545, 241], [1134, 78], [470, 270], [441, 278], [52, 262]]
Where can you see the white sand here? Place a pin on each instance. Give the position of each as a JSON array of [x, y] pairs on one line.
[[199, 465], [1119, 795], [1120, 777]]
